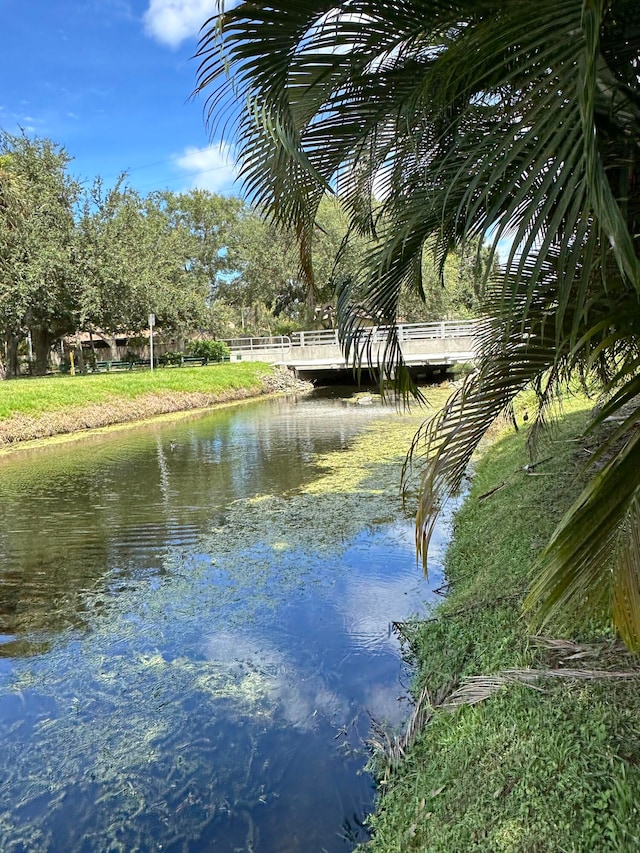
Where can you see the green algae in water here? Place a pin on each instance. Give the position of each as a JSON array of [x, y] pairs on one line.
[[137, 739], [140, 738], [146, 742]]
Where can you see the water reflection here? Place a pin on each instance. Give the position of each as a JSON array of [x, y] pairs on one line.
[[191, 645], [116, 502]]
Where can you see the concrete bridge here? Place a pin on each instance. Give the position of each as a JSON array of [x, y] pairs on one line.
[[427, 348]]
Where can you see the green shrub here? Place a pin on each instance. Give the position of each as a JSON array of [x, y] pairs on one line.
[[137, 342], [287, 327], [209, 350]]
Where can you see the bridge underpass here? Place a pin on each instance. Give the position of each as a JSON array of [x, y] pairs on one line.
[[427, 348]]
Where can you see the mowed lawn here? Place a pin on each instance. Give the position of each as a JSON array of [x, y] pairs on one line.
[[38, 395]]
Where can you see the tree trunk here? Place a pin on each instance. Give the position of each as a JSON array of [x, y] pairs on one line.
[[80, 358], [11, 365], [93, 358], [42, 340]]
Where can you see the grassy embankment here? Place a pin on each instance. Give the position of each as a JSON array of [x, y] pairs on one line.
[[42, 407], [549, 767]]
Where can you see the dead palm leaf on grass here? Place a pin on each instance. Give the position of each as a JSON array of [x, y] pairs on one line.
[[389, 750]]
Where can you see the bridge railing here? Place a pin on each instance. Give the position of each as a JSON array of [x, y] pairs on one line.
[[376, 334], [431, 331], [406, 332], [314, 338], [277, 342]]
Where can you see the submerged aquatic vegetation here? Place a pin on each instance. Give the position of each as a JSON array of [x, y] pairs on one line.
[[149, 743], [355, 488], [370, 463], [155, 714], [134, 753]]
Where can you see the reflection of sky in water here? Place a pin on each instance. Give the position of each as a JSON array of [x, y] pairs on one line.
[[382, 584], [197, 695], [331, 650], [171, 682]]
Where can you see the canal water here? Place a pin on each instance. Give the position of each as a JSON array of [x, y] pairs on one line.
[[193, 643]]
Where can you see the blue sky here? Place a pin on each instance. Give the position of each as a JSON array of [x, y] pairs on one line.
[[111, 80]]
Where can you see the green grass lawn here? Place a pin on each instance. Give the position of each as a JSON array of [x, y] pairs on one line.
[[51, 393], [556, 768]]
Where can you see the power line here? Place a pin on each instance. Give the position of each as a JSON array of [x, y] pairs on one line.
[[149, 165], [127, 172]]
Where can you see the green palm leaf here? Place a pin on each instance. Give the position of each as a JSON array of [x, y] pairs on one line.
[[436, 122]]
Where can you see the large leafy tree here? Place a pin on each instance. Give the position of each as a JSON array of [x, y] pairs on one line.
[[240, 258], [464, 119], [262, 268], [212, 222], [39, 281], [453, 292], [138, 256], [268, 280]]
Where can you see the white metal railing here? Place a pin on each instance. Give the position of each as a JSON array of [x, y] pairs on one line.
[[279, 342], [329, 337], [314, 338], [443, 329], [405, 331]]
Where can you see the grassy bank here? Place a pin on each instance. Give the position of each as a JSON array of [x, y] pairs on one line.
[[553, 766], [41, 407]]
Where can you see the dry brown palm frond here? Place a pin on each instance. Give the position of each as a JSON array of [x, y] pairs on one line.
[[422, 713], [385, 750], [559, 646], [390, 750], [477, 688], [562, 651]]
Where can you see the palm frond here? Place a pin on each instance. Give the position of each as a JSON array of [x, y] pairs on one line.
[[479, 688], [474, 689], [435, 122], [591, 562]]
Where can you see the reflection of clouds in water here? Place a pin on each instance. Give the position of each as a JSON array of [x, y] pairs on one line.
[[403, 533], [385, 706], [379, 583], [369, 606], [383, 584], [212, 450], [300, 699], [234, 649], [380, 588]]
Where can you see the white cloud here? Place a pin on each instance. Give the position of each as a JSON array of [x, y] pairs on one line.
[[172, 21], [211, 168]]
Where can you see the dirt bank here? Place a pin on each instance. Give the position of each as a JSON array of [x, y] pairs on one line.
[[21, 428]]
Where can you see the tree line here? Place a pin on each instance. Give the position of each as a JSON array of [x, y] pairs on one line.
[[77, 258]]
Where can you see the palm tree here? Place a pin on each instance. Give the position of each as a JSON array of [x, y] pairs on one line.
[[441, 121]]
